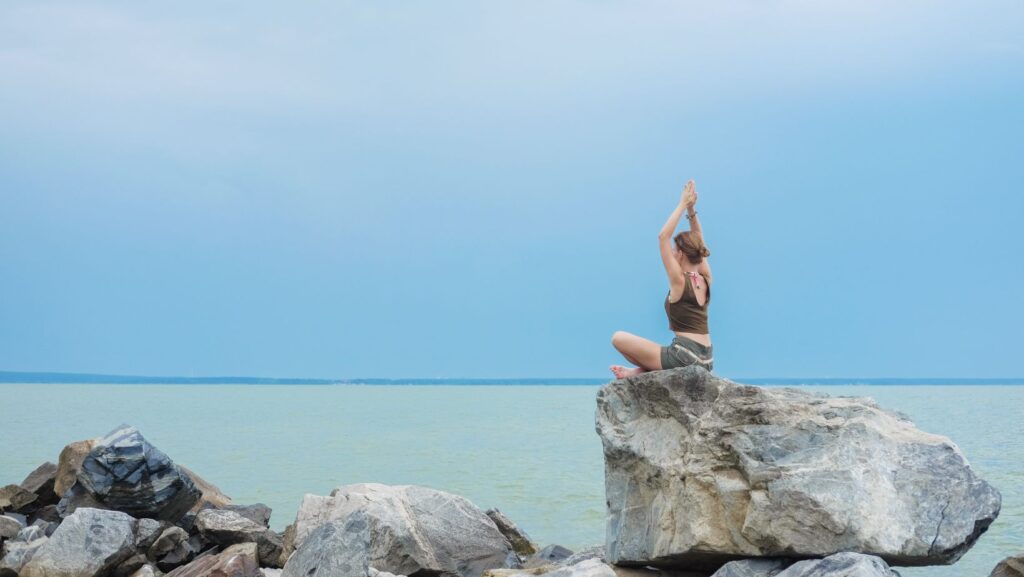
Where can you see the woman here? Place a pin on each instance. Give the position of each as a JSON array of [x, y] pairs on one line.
[[689, 278]]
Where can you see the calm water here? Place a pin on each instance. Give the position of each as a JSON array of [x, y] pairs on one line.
[[529, 450]]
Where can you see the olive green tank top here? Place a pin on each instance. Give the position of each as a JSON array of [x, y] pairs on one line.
[[686, 315]]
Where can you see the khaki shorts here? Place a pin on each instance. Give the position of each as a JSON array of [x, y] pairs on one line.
[[684, 352]]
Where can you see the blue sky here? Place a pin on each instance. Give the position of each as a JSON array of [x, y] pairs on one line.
[[396, 189]]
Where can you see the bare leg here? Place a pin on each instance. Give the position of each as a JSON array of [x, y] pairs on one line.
[[644, 353]]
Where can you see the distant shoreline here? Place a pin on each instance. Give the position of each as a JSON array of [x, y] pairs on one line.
[[18, 377]]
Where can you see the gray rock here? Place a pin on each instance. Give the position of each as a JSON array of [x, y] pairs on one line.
[[172, 549], [9, 526], [226, 527], [548, 555], [147, 531], [270, 571], [257, 513], [402, 529], [373, 572], [700, 471], [339, 548], [89, 543], [21, 519], [14, 498], [521, 542], [20, 550], [592, 552], [235, 561], [124, 472], [840, 565], [69, 463], [1009, 567], [40, 481], [755, 567]]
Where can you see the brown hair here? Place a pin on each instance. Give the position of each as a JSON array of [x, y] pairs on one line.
[[691, 246]]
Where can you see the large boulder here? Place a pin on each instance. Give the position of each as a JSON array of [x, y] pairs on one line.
[[89, 543], [838, 565], [700, 470], [402, 529], [124, 472]]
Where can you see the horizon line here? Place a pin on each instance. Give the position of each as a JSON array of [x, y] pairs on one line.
[[51, 377]]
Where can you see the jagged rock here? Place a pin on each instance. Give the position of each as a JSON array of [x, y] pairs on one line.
[[226, 527], [1009, 567], [755, 567], [838, 565], [257, 513], [88, 543], [9, 526], [235, 561], [124, 472], [171, 549], [592, 552], [19, 550], [339, 548], [270, 571], [700, 470], [521, 542], [14, 498], [69, 463], [147, 531], [40, 481], [210, 494], [400, 529], [548, 555]]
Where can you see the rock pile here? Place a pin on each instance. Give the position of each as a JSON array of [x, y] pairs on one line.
[[118, 507], [700, 471]]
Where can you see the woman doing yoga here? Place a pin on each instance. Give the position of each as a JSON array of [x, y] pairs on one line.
[[689, 278]]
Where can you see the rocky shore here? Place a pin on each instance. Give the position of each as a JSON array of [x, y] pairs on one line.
[[703, 476]]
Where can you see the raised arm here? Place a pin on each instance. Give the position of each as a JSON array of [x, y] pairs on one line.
[[668, 257], [691, 215]]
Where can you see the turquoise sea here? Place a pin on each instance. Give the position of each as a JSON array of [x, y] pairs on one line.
[[529, 450]]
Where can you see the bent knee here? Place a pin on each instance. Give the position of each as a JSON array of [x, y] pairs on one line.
[[619, 338]]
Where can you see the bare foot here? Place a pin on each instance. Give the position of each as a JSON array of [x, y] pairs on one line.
[[622, 372]]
